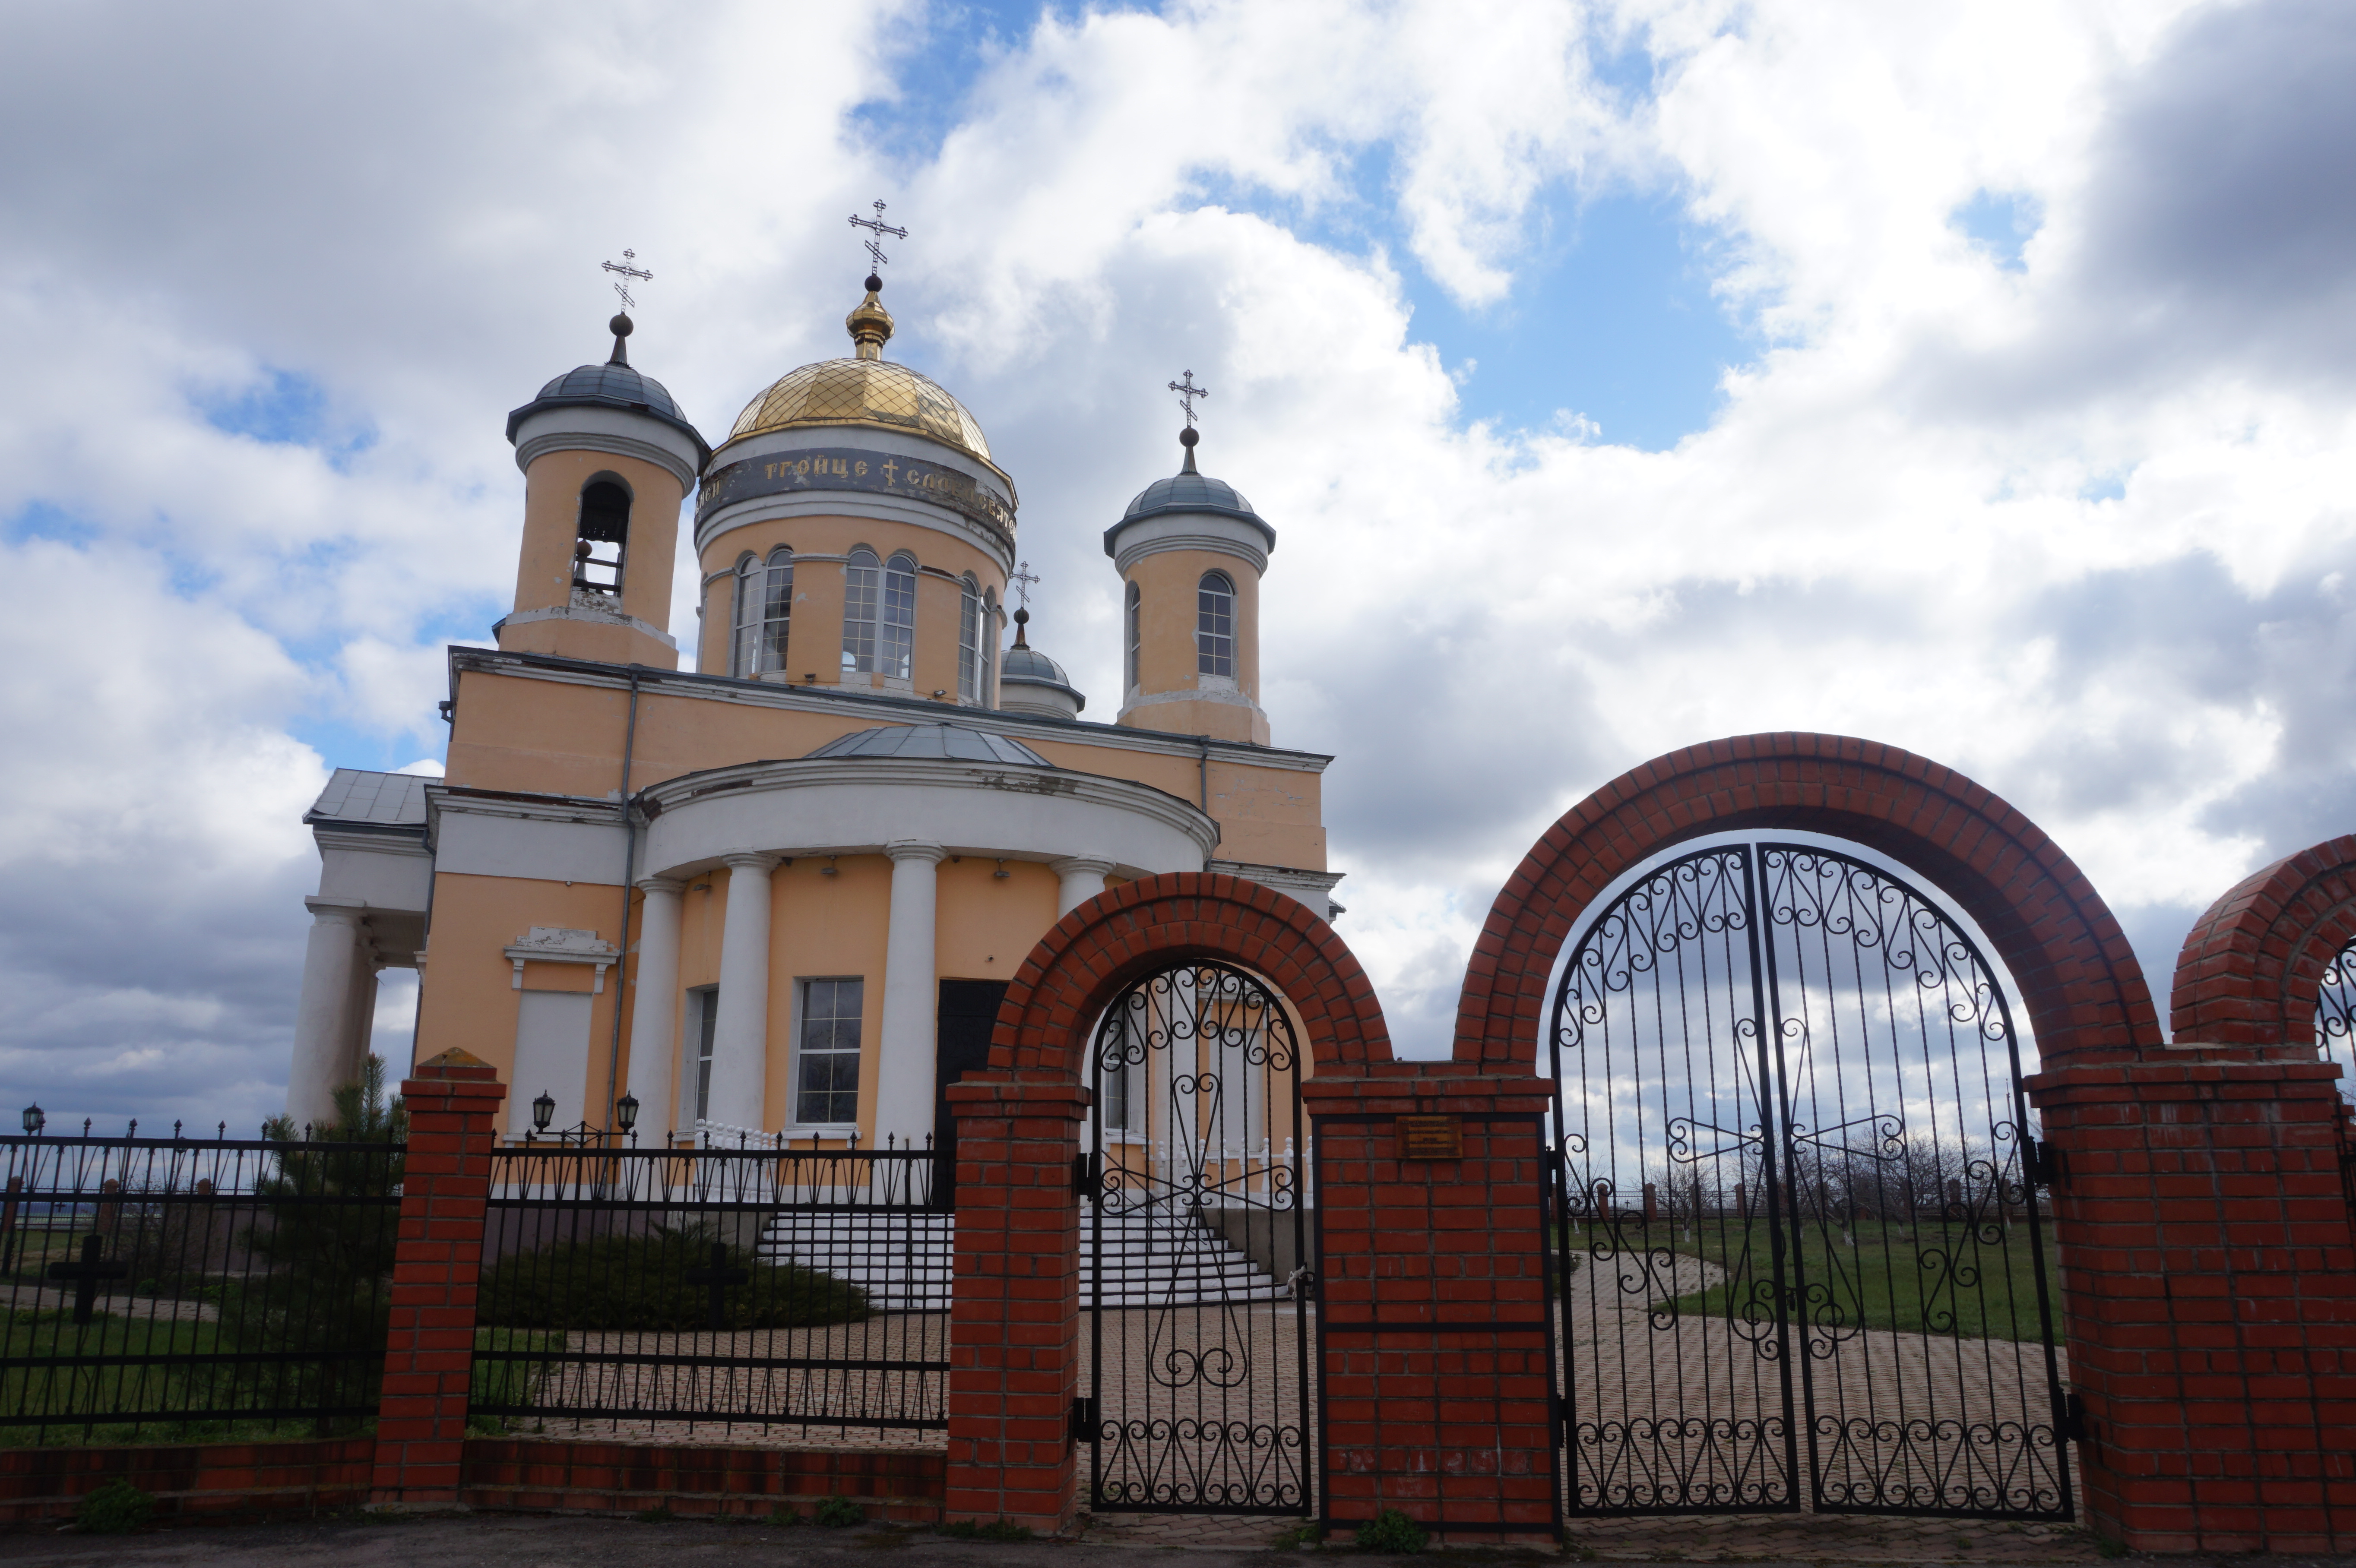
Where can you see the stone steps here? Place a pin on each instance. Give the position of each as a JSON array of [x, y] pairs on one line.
[[901, 1259]]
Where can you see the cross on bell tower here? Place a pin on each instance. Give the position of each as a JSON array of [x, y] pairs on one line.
[[874, 243], [1188, 392], [629, 275]]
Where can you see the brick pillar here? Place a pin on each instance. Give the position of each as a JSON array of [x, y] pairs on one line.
[[1453, 1427], [1015, 1308], [2210, 1298], [429, 1360]]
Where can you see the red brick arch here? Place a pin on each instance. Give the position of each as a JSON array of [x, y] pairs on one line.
[[2251, 965], [2082, 989], [1140, 926]]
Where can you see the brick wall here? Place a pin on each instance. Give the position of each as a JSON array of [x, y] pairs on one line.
[[898, 1487], [220, 1481]]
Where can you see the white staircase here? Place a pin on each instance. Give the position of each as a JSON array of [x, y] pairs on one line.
[[901, 1258]]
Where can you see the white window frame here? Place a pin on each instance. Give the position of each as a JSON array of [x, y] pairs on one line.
[[863, 576], [968, 639], [796, 1126], [896, 619], [1215, 648], [1132, 613]]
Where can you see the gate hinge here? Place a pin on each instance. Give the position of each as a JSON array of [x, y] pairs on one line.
[[1087, 1176], [1084, 1418], [2073, 1416], [2048, 1166]]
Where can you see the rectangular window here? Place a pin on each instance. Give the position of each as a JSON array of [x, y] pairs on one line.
[[899, 633], [777, 614], [707, 1018], [1115, 1080], [826, 1066], [969, 644], [859, 613]]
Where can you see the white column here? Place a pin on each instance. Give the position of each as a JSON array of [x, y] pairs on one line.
[[323, 1016], [654, 1008], [740, 1035], [1083, 879], [904, 1066]]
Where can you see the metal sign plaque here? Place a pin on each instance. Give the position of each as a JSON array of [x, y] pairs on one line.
[[855, 468], [1430, 1138]]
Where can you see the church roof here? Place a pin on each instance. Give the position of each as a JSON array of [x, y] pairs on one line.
[[1030, 664], [1189, 490], [358, 798], [609, 386], [952, 741], [879, 393]]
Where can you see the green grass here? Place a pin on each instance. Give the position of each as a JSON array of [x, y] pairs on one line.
[[1886, 1274]]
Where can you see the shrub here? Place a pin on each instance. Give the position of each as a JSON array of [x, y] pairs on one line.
[[838, 1513], [117, 1507], [639, 1282], [1391, 1531]]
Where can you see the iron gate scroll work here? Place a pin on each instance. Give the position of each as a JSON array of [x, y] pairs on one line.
[[1197, 1278], [1802, 1261]]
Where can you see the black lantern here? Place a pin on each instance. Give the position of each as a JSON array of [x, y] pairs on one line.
[[34, 1120], [543, 1110], [625, 1112]]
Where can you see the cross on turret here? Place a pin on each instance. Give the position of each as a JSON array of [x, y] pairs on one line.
[[1022, 578], [1188, 392], [874, 242], [628, 273]]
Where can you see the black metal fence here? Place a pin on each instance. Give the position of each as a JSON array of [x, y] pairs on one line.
[[185, 1287], [628, 1290]]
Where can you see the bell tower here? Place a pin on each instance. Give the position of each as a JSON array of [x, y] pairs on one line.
[[1190, 551], [608, 461]]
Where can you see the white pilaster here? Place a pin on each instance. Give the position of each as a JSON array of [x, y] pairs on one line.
[[654, 1007], [740, 1035], [905, 1064], [1082, 879], [325, 1015]]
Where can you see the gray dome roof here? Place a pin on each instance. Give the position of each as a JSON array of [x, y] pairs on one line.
[[609, 386], [1189, 492], [952, 741], [1030, 664]]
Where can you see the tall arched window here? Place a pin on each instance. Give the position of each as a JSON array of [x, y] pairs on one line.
[[764, 607], [1129, 634], [968, 640], [897, 656], [859, 588], [1214, 625], [990, 647], [604, 520]]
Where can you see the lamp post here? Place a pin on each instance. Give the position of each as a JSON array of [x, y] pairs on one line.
[[34, 1120], [543, 1110], [626, 1114]]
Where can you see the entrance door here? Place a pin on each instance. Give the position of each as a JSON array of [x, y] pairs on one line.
[[960, 1045], [1801, 1254], [1193, 1251]]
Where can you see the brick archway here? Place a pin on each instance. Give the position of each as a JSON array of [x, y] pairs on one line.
[[2252, 964], [2082, 989], [1100, 946]]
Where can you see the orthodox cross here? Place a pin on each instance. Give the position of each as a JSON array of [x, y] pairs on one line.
[[86, 1274], [875, 241], [1022, 578], [627, 271], [1188, 392], [718, 1276]]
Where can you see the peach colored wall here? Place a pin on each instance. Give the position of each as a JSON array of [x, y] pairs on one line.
[[1167, 656], [986, 925], [601, 641], [814, 645], [468, 999], [518, 733], [823, 927], [552, 516]]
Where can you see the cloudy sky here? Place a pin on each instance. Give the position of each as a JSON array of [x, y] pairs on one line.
[[1618, 376]]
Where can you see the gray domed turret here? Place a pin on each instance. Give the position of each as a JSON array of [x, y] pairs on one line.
[[1030, 682]]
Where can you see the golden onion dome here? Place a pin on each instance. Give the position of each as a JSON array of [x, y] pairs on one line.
[[866, 390]]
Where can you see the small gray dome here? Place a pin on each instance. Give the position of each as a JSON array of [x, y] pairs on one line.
[[1030, 664], [950, 741], [1189, 492], [609, 387]]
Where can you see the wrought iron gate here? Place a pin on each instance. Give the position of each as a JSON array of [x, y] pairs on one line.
[[1801, 1254], [1196, 1271]]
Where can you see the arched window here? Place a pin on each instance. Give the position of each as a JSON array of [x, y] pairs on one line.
[[897, 656], [990, 647], [969, 640], [1214, 625], [604, 520], [764, 608], [1129, 634], [859, 588]]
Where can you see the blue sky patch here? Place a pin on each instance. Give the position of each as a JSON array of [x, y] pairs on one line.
[[283, 408], [40, 520], [2000, 222]]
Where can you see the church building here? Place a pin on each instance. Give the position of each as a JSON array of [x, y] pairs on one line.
[[780, 893]]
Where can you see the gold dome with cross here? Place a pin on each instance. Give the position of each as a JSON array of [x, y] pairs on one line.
[[867, 390]]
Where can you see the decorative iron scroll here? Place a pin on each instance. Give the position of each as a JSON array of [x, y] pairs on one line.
[[1195, 1247], [1809, 1072]]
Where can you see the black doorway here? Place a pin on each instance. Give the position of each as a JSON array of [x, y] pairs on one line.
[[961, 1044]]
